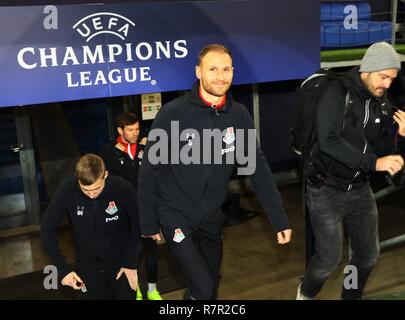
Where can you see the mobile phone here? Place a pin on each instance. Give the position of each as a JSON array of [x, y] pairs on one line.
[[82, 286]]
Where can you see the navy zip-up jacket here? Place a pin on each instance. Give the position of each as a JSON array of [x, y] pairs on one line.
[[187, 196], [105, 230]]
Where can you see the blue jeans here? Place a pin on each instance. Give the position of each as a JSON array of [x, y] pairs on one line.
[[330, 210]]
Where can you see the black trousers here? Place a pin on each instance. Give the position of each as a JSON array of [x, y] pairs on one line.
[[101, 285], [151, 258], [199, 255]]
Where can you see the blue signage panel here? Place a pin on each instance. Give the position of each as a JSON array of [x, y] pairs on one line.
[[70, 52]]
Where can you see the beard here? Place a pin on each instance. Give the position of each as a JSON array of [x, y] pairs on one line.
[[380, 92], [377, 92], [217, 89], [130, 139]]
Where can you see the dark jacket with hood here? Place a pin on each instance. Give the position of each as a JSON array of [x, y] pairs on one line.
[[349, 144], [188, 196]]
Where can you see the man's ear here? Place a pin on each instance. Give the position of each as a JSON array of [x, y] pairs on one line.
[[120, 131], [364, 75], [106, 174], [198, 72]]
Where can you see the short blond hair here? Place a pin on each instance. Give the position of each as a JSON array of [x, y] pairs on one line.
[[89, 169], [213, 47]]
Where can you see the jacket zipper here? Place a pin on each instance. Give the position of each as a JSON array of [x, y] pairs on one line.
[[96, 228], [366, 118]]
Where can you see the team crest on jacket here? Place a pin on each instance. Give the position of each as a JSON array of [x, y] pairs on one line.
[[140, 154], [112, 208], [229, 136]]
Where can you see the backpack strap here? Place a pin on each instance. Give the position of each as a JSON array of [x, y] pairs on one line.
[[315, 75], [346, 111]]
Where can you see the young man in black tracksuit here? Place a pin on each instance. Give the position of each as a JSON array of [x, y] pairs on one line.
[[351, 145], [122, 158], [182, 194], [103, 216]]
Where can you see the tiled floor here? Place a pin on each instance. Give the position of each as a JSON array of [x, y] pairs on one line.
[[254, 266]]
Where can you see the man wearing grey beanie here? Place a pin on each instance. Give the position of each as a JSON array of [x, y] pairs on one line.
[[379, 66], [354, 139]]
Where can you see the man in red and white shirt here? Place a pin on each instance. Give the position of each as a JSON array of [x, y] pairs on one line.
[[123, 157]]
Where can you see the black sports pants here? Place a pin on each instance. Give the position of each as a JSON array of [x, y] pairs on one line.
[[101, 285], [151, 258], [199, 255]]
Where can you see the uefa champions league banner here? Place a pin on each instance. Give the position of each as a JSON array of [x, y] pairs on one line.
[[70, 52]]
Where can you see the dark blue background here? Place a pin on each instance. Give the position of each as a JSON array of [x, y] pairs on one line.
[[271, 40]]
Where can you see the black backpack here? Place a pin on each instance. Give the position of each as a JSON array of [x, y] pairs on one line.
[[303, 131]]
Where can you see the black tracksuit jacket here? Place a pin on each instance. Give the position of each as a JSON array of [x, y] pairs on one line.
[[120, 164], [188, 196], [105, 235], [347, 157]]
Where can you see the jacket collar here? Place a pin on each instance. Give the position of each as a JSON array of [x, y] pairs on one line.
[[194, 97]]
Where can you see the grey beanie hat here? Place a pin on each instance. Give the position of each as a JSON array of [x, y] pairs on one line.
[[380, 56]]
